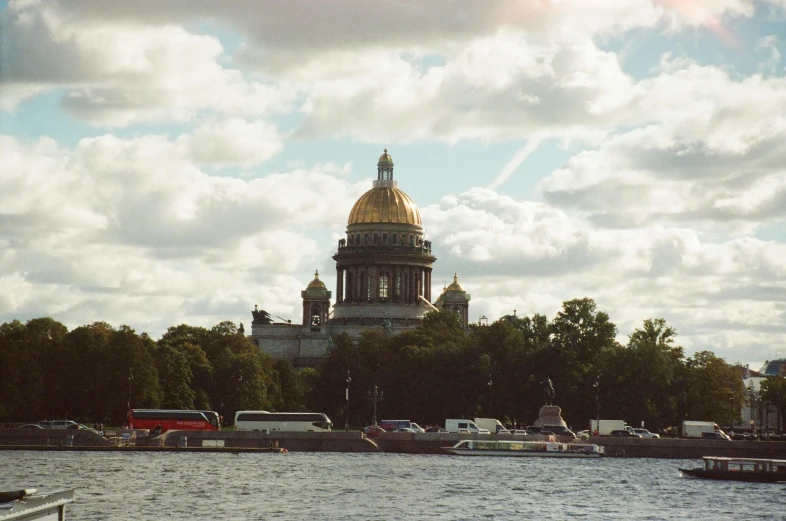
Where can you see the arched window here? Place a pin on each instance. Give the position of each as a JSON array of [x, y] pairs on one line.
[[383, 286]]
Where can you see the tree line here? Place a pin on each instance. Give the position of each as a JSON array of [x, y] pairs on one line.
[[437, 371]]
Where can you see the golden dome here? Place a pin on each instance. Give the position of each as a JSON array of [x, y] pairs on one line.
[[316, 283], [384, 205], [385, 158], [455, 286]]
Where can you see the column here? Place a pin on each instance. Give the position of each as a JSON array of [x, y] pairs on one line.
[[339, 285]]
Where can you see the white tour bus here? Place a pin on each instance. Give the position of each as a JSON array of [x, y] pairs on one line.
[[265, 421]]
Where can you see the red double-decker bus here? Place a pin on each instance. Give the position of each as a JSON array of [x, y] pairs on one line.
[[169, 420]]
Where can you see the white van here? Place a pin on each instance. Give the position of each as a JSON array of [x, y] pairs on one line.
[[493, 425], [464, 426]]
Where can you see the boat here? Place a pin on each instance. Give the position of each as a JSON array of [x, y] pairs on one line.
[[524, 449], [28, 504], [740, 469]]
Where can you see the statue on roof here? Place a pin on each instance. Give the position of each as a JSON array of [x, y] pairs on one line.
[[261, 317]]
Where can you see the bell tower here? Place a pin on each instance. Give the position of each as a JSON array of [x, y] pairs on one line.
[[316, 303]]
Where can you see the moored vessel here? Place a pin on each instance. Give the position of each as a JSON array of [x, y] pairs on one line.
[[28, 504], [524, 449], [740, 469]]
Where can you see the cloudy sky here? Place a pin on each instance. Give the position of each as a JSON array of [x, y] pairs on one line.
[[167, 162]]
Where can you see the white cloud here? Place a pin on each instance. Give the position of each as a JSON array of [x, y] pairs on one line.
[[536, 257], [771, 44], [120, 73], [233, 142], [117, 224]]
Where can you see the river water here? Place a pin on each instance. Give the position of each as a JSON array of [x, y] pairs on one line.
[[177, 486]]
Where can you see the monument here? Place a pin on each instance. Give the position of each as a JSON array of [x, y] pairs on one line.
[[549, 414]]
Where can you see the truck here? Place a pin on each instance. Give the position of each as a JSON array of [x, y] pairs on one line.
[[696, 429], [604, 427], [392, 425], [466, 426], [492, 425]]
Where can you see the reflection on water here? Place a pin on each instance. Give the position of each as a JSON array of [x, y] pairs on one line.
[[191, 486]]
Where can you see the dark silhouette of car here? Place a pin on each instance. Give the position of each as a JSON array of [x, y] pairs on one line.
[[624, 434], [374, 431], [715, 436], [436, 429], [559, 430]]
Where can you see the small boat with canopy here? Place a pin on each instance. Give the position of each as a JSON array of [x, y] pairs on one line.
[[740, 469]]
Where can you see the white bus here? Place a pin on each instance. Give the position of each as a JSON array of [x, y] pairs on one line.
[[265, 421]]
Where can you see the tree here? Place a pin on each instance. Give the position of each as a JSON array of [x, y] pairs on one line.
[[189, 341], [654, 365], [174, 376], [242, 375], [710, 383], [23, 355], [579, 334], [773, 391], [289, 388]]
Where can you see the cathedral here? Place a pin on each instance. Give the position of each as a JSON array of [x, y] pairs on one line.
[[383, 280]]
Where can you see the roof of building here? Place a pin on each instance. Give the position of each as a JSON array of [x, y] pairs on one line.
[[384, 205], [316, 283], [385, 158], [455, 286]]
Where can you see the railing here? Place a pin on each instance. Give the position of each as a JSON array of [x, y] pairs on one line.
[[385, 248]]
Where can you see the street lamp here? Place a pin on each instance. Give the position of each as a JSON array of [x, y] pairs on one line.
[[346, 408], [596, 386], [130, 379], [731, 418], [752, 402], [489, 384], [375, 396], [240, 387]]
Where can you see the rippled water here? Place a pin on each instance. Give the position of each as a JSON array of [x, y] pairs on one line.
[[148, 486]]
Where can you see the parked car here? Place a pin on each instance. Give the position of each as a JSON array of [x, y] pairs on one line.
[[521, 432], [644, 433], [715, 436], [405, 429], [58, 424], [624, 434], [559, 430], [374, 431], [436, 429], [416, 427], [584, 435]]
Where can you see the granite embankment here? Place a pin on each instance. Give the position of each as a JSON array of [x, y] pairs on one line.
[[338, 441]]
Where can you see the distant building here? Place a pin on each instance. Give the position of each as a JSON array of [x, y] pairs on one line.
[[383, 279], [774, 367], [755, 413]]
